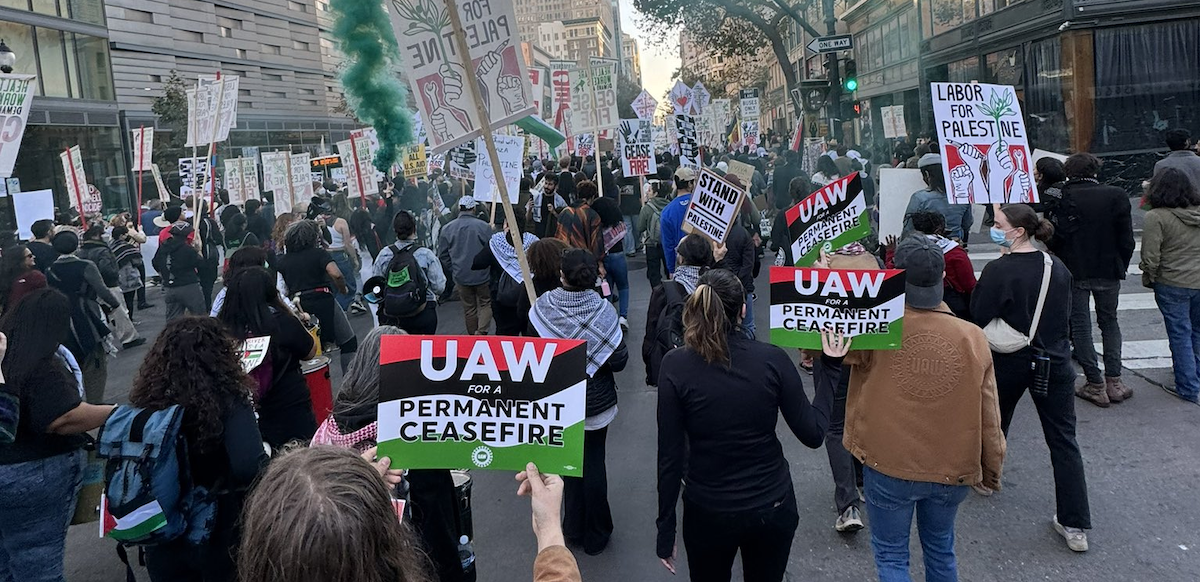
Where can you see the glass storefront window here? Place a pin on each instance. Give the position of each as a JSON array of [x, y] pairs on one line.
[[963, 71], [89, 11], [49, 7], [1044, 106], [95, 70], [1005, 67], [52, 63], [19, 37], [38, 165]]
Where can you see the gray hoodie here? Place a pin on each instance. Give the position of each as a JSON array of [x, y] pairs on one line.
[[459, 242]]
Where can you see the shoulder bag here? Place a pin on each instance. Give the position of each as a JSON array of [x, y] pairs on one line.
[[1002, 337]]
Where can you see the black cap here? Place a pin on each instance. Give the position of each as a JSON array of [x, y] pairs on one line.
[[924, 268]]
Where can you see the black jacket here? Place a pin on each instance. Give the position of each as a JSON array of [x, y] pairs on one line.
[[1093, 230], [182, 260], [602, 387], [98, 252], [739, 257]]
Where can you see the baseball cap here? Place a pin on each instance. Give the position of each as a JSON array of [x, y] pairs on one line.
[[924, 267], [929, 160], [686, 174], [467, 202]]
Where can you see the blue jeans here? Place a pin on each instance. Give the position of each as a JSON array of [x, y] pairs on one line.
[[748, 321], [1180, 308], [37, 500], [633, 241], [618, 277], [890, 505], [342, 260]]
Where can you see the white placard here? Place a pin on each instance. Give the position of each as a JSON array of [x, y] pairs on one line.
[[16, 97], [750, 109], [250, 176], [77, 186], [302, 186], [689, 148], [714, 206], [681, 98], [30, 207], [636, 148], [604, 85], [896, 187], [701, 99], [193, 176], [644, 105], [276, 177], [985, 153], [509, 150], [893, 122], [233, 181], [163, 194]]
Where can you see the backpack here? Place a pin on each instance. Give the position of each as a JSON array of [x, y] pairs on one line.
[[668, 334], [405, 289], [509, 290], [653, 231], [149, 495]]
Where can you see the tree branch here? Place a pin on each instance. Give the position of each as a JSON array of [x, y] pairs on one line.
[[797, 17]]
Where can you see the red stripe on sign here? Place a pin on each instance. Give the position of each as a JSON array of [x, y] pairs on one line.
[[405, 348]]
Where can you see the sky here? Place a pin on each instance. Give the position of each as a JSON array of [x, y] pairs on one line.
[[657, 63]]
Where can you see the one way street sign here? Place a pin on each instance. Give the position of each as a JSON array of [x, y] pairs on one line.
[[831, 44]]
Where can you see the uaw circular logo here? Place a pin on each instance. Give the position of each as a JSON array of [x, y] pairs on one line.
[[481, 456]]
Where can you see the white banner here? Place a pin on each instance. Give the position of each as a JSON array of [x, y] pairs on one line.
[[302, 186], [436, 72], [508, 149], [16, 97], [985, 154], [604, 84], [143, 148]]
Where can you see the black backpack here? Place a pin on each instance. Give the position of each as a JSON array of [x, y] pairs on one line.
[[668, 334], [509, 290], [405, 289]]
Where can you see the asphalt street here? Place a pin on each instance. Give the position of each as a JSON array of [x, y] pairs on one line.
[[1142, 459]]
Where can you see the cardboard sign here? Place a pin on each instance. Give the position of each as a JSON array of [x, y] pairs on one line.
[[636, 148], [16, 97], [508, 149], [77, 186], [867, 305], [233, 180], [689, 148], [644, 105], [743, 171], [143, 148], [896, 187], [253, 351], [437, 74], [604, 86], [276, 176], [416, 163], [483, 402], [714, 207], [985, 153], [250, 177], [893, 122], [829, 219], [302, 186]]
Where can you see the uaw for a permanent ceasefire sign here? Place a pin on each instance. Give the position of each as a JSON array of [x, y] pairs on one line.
[[867, 305], [448, 402]]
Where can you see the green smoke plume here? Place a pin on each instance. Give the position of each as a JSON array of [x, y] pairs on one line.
[[372, 90]]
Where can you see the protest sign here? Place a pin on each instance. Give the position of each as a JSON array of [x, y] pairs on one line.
[[302, 186], [193, 176], [560, 96], [681, 98], [644, 105], [585, 144], [484, 402], [212, 110], [689, 148], [163, 194], [30, 207], [92, 201], [16, 97], [829, 218], [867, 305], [355, 181], [508, 149], [462, 161], [797, 136], [896, 187], [143, 148], [722, 110], [893, 122], [701, 99], [233, 180], [253, 351], [250, 177], [750, 134], [637, 148], [436, 70], [416, 163], [715, 205], [537, 83], [743, 171], [604, 90], [814, 147], [77, 186], [435, 162], [276, 176], [985, 154], [582, 110]]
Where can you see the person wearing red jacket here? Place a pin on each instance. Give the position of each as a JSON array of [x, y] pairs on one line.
[[960, 274]]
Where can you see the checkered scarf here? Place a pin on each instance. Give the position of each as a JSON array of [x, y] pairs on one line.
[[579, 315], [506, 253], [688, 276]]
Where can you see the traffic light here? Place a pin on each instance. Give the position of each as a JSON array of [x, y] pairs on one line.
[[851, 109], [850, 78]]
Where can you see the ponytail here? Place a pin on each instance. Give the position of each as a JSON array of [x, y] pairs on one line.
[[1023, 216], [711, 313]]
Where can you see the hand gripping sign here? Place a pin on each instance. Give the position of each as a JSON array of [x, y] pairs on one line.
[[449, 402]]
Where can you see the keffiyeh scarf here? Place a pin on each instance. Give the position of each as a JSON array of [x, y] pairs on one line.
[[688, 276], [506, 253], [581, 315]]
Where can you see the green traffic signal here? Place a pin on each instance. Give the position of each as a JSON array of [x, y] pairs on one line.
[[851, 84]]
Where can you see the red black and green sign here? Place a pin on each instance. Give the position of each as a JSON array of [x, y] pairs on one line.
[[448, 402], [829, 218], [867, 305]]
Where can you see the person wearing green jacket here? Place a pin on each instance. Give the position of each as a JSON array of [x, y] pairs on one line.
[[647, 224], [1171, 267]]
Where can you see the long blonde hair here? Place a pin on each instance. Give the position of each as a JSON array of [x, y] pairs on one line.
[[711, 313]]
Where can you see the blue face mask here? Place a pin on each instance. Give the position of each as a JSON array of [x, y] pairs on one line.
[[998, 237]]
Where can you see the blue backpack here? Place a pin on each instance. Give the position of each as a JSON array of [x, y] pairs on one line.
[[147, 479]]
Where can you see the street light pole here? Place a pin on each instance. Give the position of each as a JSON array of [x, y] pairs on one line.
[[834, 102], [7, 58]]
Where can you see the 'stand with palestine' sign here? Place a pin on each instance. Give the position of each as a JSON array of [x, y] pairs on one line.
[[867, 305], [829, 218], [714, 207], [448, 402]]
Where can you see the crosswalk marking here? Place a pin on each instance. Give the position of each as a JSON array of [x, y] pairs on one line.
[[1137, 246], [1127, 301], [1143, 354]]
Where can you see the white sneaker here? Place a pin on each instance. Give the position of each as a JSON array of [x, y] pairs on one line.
[[624, 324], [1076, 538], [849, 521]]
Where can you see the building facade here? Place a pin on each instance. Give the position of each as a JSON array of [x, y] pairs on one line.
[[886, 51], [66, 44], [576, 40], [631, 57], [531, 14]]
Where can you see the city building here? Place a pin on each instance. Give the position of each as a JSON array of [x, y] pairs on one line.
[[578, 39], [532, 14], [886, 46], [66, 44], [631, 56], [1103, 76]]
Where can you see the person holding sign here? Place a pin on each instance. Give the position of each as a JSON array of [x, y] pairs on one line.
[[1012, 289], [719, 398], [576, 311], [933, 197], [927, 419]]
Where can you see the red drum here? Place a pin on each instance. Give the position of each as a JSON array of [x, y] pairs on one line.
[[320, 389]]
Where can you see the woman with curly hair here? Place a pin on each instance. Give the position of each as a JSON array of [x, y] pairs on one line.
[[252, 308], [310, 272], [275, 243], [545, 258], [194, 363]]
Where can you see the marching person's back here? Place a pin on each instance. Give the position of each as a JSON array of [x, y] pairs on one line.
[[664, 316], [458, 243], [924, 420]]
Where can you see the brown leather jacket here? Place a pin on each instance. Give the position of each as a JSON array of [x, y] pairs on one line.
[[928, 411], [556, 564]]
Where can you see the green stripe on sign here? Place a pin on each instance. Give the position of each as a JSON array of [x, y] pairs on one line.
[[566, 460], [140, 530], [810, 340]]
